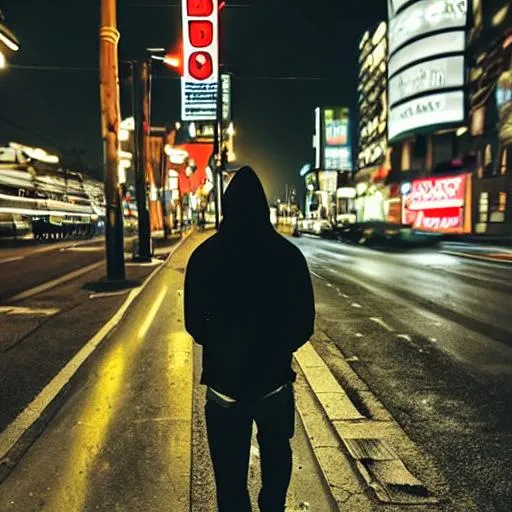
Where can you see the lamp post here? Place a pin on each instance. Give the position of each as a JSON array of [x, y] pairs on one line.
[[110, 114]]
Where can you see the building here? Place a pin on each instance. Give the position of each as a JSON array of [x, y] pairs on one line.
[[427, 113], [376, 200], [489, 134]]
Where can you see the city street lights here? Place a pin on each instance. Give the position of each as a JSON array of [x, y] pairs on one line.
[[141, 72], [8, 42]]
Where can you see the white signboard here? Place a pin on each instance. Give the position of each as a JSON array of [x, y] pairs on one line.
[[451, 42], [226, 97], [395, 5], [338, 158], [424, 17], [199, 84], [427, 77], [430, 110]]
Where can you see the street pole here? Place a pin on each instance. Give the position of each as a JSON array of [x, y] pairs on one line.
[[217, 155], [141, 117], [110, 114]]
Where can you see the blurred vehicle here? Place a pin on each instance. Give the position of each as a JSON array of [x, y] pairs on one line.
[[387, 234], [319, 227], [41, 196], [13, 225]]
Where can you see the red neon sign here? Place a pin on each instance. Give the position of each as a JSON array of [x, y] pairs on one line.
[[200, 33], [199, 7], [200, 65], [437, 204]]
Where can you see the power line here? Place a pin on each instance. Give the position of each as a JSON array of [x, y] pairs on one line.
[[172, 6], [51, 68], [162, 77]]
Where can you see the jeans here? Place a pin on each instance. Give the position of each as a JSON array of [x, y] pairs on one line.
[[229, 438]]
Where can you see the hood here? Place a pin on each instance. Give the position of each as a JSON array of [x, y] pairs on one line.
[[245, 204]]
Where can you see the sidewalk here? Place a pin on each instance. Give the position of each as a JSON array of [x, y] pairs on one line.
[[129, 432]]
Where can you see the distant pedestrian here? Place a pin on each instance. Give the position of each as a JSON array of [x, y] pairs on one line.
[[249, 303]]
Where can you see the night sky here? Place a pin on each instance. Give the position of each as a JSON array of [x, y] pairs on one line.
[[269, 39]]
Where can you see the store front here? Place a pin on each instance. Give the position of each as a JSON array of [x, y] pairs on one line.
[[373, 195], [439, 204]]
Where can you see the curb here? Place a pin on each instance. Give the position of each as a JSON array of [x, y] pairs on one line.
[[35, 410], [365, 440], [476, 257]]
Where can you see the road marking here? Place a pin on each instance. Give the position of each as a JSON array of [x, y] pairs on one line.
[[12, 434], [81, 249], [409, 340], [55, 282], [329, 285], [316, 275], [153, 263], [12, 310], [107, 294], [10, 260], [356, 305], [152, 312], [381, 322]]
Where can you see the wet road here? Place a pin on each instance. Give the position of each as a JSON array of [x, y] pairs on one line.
[[431, 336], [32, 264]]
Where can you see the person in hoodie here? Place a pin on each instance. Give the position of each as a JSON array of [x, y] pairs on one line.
[[249, 303]]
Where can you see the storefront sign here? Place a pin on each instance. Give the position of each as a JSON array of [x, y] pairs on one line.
[[226, 97], [427, 77], [338, 158], [437, 204], [199, 84], [451, 42], [434, 109], [335, 145], [424, 17], [396, 5]]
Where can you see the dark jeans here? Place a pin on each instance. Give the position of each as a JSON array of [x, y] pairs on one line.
[[229, 438]]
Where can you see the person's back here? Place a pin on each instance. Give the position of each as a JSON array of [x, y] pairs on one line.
[[249, 302]]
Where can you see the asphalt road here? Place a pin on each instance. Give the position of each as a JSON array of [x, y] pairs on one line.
[[431, 335], [31, 264]]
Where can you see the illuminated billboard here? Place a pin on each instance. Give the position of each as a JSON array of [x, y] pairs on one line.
[[439, 204], [450, 42], [336, 143], [427, 76], [427, 42], [431, 110], [199, 84], [425, 17]]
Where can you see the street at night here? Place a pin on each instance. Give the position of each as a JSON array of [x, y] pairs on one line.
[[255, 256]]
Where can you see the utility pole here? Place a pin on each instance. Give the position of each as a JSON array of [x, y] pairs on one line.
[[217, 154], [110, 114], [142, 129]]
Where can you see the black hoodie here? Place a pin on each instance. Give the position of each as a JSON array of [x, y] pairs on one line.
[[248, 297]]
